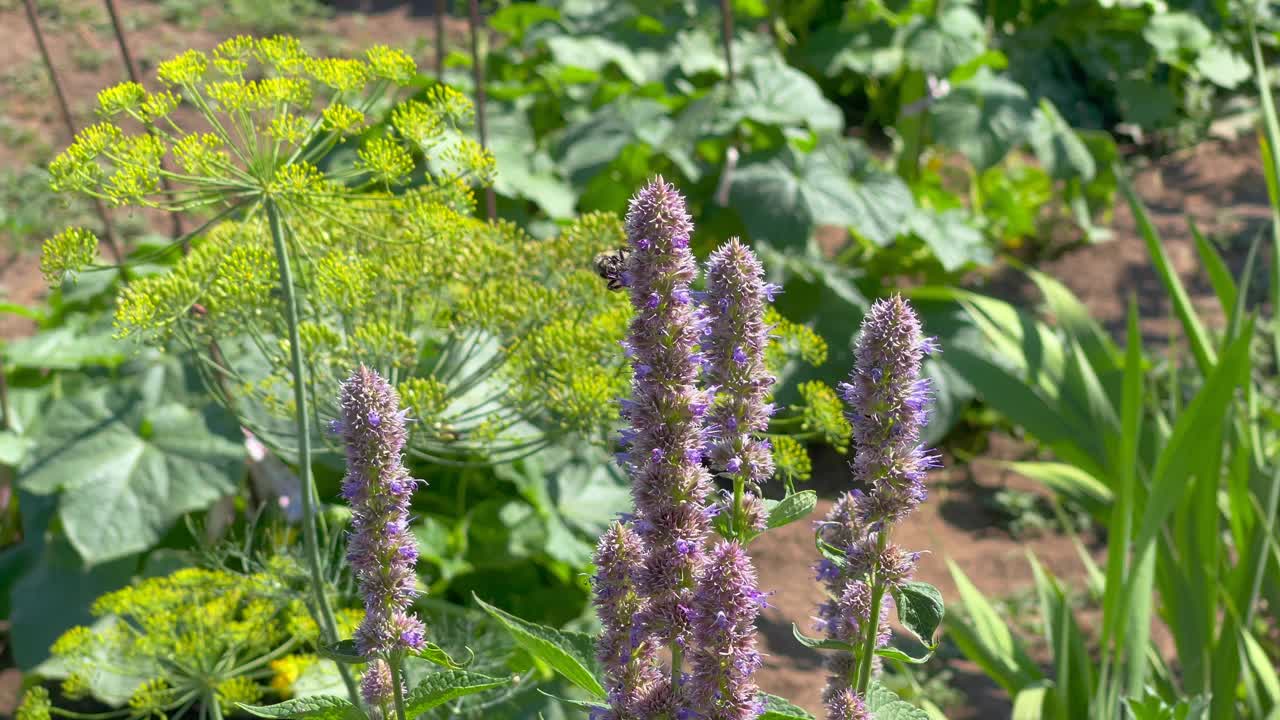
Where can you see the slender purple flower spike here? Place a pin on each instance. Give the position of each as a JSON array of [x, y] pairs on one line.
[[376, 685], [888, 408], [724, 655], [737, 337], [381, 550], [666, 410], [625, 653]]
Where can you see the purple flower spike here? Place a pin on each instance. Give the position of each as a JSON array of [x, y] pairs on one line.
[[626, 653], [724, 654], [888, 408], [381, 550], [669, 486], [376, 686]]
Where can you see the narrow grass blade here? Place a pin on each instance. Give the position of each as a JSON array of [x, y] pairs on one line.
[[1201, 348], [1224, 286]]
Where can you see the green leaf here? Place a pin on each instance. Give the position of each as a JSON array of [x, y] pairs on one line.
[[783, 196], [1068, 481], [939, 45], [953, 240], [894, 653], [55, 594], [1175, 33], [771, 92], [584, 705], [343, 651], [983, 118], [1058, 147], [571, 654], [588, 146], [821, 643], [435, 654], [920, 610], [514, 20], [1223, 66], [595, 52], [792, 508], [315, 707], [1146, 104], [776, 708], [885, 704], [130, 464], [14, 448], [73, 346], [439, 688], [525, 170]]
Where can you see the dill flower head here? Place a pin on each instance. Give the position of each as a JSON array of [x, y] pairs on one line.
[[666, 440], [382, 551]]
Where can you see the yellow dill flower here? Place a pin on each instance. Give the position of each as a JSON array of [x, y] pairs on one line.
[[67, 253], [342, 119], [790, 459], [151, 697], [185, 69], [385, 160], [120, 98], [239, 689], [285, 672], [35, 704], [75, 687], [390, 63], [822, 412]]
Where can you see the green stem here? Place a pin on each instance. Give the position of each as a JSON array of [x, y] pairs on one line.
[[396, 689], [311, 547], [873, 622], [211, 702], [739, 521], [677, 659]]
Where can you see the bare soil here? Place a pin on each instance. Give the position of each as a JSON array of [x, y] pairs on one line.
[[1219, 184]]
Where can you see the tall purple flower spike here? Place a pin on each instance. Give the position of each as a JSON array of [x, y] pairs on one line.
[[381, 550], [724, 655], [735, 345], [888, 408], [626, 654], [666, 410]]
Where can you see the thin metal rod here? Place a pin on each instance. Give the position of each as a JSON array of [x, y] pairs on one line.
[[34, 21], [175, 219], [441, 11], [490, 201]]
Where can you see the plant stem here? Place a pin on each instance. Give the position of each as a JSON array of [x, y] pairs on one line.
[[211, 702], [738, 519], [396, 689], [873, 622], [477, 66], [108, 233], [311, 547]]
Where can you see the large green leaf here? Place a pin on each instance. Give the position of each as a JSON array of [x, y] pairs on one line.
[[940, 44], [920, 610], [1176, 34], [784, 195], [571, 654], [55, 594], [314, 707], [524, 170], [983, 118], [439, 688], [588, 146], [130, 463], [771, 92]]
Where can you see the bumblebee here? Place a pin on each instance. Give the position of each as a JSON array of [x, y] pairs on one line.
[[610, 265]]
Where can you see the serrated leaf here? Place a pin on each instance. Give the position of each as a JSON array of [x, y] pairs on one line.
[[776, 708], [885, 704], [792, 508], [315, 707], [433, 653], [130, 464], [920, 610], [439, 688], [571, 654], [814, 643]]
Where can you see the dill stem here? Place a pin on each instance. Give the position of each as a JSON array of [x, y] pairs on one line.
[[311, 547]]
